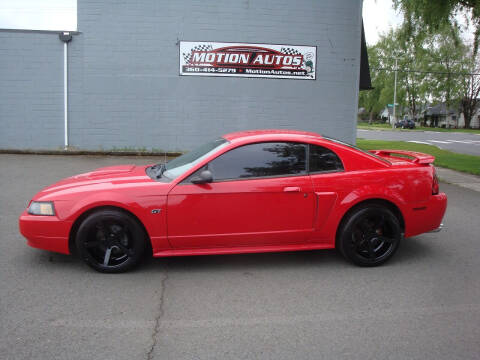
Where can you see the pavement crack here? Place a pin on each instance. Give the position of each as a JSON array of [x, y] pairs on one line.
[[158, 317]]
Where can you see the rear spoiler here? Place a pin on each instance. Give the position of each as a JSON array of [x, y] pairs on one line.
[[418, 158]]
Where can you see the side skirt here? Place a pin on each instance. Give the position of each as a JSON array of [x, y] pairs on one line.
[[241, 250]]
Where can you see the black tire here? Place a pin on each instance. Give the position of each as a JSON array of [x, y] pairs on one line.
[[369, 235], [110, 241]]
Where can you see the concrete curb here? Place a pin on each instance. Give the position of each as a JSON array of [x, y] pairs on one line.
[[89, 152], [464, 180], [418, 130]]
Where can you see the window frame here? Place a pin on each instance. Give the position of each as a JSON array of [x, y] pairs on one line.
[[307, 172]]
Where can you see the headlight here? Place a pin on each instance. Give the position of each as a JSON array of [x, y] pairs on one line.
[[41, 208]]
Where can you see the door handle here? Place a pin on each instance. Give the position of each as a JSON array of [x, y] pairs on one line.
[[291, 189]]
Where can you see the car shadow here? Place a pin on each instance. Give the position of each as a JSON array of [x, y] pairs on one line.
[[411, 250], [257, 261], [43, 259]]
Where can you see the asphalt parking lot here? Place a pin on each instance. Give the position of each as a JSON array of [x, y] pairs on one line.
[[423, 304]]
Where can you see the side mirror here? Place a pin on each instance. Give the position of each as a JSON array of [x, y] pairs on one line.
[[204, 177]]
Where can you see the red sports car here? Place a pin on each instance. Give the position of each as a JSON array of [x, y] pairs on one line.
[[246, 192]]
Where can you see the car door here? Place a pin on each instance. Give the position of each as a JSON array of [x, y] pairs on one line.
[[326, 171], [260, 195]]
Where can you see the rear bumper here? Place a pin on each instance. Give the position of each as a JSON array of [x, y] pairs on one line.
[[437, 229], [45, 232], [427, 216]]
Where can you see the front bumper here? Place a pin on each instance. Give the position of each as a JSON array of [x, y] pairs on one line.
[[45, 232]]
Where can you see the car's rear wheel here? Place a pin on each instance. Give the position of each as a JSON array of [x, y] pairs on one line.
[[110, 241], [369, 235]]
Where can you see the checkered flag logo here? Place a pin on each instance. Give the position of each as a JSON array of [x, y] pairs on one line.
[[187, 56], [290, 51]]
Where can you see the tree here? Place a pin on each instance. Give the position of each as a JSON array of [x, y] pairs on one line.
[[413, 55], [431, 67], [431, 15], [410, 87], [369, 100], [471, 91], [449, 61]]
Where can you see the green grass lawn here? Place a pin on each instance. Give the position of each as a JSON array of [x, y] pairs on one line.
[[373, 126], [444, 158], [382, 126]]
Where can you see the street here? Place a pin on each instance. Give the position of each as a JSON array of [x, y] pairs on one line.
[[463, 143], [423, 304]]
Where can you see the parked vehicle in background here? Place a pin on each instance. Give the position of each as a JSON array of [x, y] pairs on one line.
[[405, 124]]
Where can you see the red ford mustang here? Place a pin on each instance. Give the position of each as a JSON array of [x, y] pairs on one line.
[[246, 192]]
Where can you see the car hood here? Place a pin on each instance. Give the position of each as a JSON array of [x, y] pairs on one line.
[[109, 171], [111, 178]]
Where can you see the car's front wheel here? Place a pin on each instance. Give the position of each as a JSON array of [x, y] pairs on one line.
[[110, 241], [369, 235]]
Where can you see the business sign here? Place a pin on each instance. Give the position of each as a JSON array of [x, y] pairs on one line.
[[248, 60]]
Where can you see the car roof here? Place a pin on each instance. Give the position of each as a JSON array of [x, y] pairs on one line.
[[269, 133]]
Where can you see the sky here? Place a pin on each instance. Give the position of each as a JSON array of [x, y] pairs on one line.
[[378, 17], [38, 14], [61, 15]]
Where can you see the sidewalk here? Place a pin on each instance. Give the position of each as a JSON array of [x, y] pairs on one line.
[[460, 179]]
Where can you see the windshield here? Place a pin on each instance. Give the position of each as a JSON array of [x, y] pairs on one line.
[[185, 162]]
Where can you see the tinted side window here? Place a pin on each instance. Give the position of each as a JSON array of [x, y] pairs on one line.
[[258, 160], [323, 159]]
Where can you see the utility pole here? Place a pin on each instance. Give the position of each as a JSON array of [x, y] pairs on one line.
[[395, 94], [65, 37]]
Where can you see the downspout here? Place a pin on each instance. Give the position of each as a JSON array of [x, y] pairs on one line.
[[65, 37]]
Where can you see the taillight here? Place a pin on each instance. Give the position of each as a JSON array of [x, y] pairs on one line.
[[435, 186]]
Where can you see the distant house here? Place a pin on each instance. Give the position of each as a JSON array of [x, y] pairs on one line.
[[362, 113], [439, 115], [419, 113], [474, 121], [387, 113]]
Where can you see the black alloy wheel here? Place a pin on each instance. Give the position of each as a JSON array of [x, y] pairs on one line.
[[110, 241], [370, 235]]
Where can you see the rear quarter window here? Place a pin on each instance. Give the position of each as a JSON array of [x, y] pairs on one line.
[[323, 160]]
